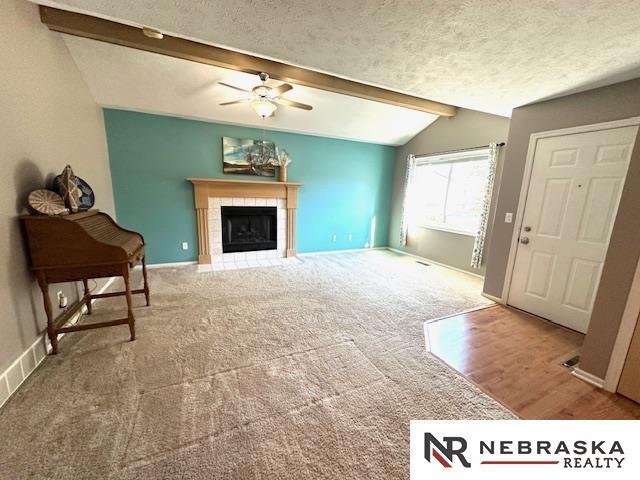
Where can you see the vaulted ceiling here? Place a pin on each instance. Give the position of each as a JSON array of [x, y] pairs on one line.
[[488, 55], [132, 79]]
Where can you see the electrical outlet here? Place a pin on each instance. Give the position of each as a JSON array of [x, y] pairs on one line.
[[185, 245], [349, 237], [62, 300], [508, 217], [334, 237]]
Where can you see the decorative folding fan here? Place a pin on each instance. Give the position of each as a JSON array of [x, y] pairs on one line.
[[46, 202]]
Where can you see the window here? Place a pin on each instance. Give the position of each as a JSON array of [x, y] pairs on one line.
[[448, 190]]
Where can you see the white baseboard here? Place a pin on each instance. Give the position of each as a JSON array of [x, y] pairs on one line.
[[428, 260], [18, 372], [495, 299], [167, 265], [171, 264], [329, 252], [588, 377]]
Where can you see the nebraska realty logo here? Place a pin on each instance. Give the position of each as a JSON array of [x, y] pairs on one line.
[[529, 449]]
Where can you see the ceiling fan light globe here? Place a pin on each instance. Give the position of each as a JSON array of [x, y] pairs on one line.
[[263, 108]]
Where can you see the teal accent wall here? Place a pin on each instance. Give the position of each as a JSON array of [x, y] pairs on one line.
[[345, 183]]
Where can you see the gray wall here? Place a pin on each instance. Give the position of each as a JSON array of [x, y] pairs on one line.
[[47, 119], [600, 105], [467, 129]]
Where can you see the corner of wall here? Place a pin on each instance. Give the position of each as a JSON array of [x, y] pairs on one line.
[[27, 363]]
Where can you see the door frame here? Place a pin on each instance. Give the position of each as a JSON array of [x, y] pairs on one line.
[[526, 180]]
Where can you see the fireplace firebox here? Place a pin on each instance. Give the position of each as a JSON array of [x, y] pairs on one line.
[[245, 229]]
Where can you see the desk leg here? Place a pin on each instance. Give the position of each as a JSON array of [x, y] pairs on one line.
[[146, 281], [127, 287], [48, 308], [85, 283]]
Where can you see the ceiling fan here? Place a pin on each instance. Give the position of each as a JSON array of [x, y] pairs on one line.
[[265, 99]]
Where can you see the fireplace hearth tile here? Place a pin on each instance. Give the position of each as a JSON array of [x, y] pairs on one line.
[[230, 264]]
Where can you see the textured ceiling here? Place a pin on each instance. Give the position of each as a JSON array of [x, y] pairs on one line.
[[136, 80], [489, 55]]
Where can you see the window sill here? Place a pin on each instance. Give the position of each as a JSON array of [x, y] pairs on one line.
[[446, 229]]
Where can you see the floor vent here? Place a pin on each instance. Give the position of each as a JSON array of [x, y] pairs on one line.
[[572, 362], [423, 263]]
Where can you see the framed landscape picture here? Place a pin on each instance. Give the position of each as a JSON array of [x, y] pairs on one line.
[[248, 157]]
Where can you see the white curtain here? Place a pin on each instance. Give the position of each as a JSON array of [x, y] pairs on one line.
[[408, 182], [478, 246]]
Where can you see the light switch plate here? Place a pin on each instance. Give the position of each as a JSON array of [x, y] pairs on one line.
[[508, 217], [185, 246]]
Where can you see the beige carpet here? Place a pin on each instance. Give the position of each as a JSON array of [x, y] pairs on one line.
[[305, 371]]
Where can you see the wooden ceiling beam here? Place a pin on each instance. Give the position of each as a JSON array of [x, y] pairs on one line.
[[128, 36]]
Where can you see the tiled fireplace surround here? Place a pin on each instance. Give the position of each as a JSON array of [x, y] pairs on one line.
[[211, 195], [227, 261]]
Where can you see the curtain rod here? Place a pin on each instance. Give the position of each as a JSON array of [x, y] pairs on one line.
[[501, 144]]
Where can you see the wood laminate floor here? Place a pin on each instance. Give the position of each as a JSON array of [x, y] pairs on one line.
[[517, 359]]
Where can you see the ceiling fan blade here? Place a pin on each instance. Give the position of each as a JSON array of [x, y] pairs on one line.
[[243, 100], [281, 89], [291, 103], [234, 87]]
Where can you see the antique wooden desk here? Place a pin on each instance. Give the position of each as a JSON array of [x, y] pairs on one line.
[[79, 247]]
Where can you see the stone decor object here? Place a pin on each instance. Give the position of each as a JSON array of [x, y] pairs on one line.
[[86, 196], [47, 202], [69, 190]]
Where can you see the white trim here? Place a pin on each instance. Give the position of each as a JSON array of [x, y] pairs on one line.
[[467, 155], [5, 374], [329, 252], [526, 179], [625, 334], [167, 265], [443, 228], [491, 297], [434, 262], [588, 377], [42, 339]]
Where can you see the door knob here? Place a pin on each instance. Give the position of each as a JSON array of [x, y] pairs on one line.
[[527, 229], [524, 240]]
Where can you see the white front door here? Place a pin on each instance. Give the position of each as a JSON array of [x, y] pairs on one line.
[[572, 201]]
